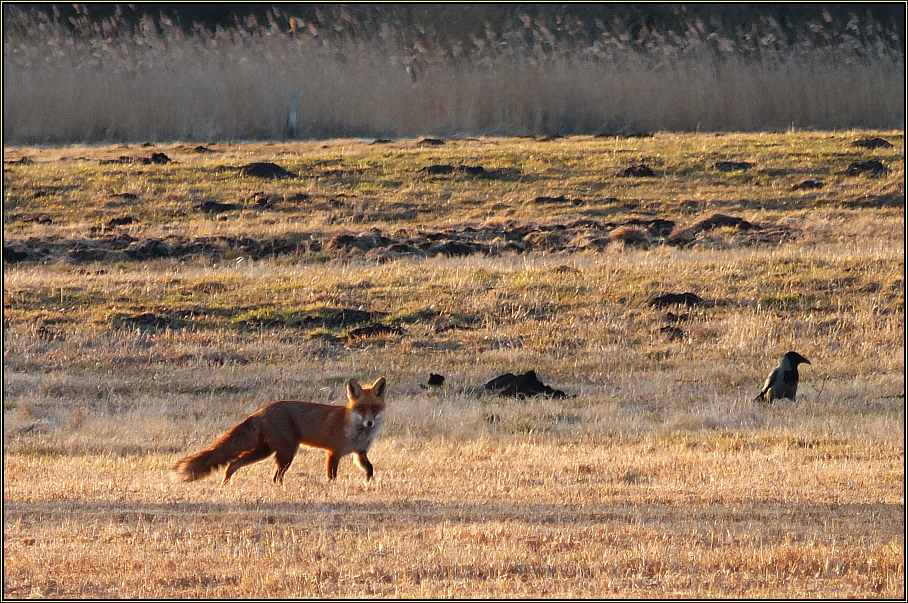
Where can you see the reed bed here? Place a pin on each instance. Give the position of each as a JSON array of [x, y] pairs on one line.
[[156, 82]]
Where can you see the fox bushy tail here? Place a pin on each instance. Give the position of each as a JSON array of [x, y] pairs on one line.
[[244, 437]]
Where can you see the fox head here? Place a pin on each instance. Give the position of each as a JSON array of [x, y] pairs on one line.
[[366, 404]]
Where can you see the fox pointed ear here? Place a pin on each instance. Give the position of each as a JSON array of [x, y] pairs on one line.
[[354, 390], [378, 388]]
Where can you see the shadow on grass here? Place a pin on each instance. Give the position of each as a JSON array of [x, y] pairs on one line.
[[770, 516]]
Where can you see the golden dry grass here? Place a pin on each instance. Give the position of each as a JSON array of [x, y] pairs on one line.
[[659, 477], [715, 515]]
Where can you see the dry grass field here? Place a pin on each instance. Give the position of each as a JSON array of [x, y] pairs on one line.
[[151, 305]]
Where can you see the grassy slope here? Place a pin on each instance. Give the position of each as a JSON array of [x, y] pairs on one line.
[[661, 476]]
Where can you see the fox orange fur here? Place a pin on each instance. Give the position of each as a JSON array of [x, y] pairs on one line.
[[280, 427]]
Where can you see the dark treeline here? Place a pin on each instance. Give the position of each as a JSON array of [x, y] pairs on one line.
[[463, 24]]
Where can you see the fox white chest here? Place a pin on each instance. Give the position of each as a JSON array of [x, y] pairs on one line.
[[362, 431]]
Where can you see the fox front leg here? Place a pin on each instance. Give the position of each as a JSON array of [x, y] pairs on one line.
[[363, 461]]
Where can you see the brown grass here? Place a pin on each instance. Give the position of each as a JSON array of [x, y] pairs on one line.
[[658, 477]]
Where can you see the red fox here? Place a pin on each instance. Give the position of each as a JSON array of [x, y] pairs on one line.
[[280, 427]]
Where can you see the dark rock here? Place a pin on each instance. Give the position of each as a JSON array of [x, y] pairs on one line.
[[430, 142]]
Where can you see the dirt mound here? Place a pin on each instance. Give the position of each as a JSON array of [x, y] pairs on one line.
[[154, 158], [809, 184], [733, 166], [447, 168], [123, 247], [324, 317], [872, 143], [670, 299], [637, 171], [522, 386], [265, 170], [871, 167], [581, 235], [688, 236]]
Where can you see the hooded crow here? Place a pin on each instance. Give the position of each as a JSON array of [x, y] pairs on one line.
[[783, 380]]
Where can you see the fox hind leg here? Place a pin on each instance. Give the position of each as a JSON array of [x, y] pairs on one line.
[[247, 458], [283, 460], [333, 461]]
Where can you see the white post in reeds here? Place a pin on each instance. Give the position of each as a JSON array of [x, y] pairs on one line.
[[291, 114]]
